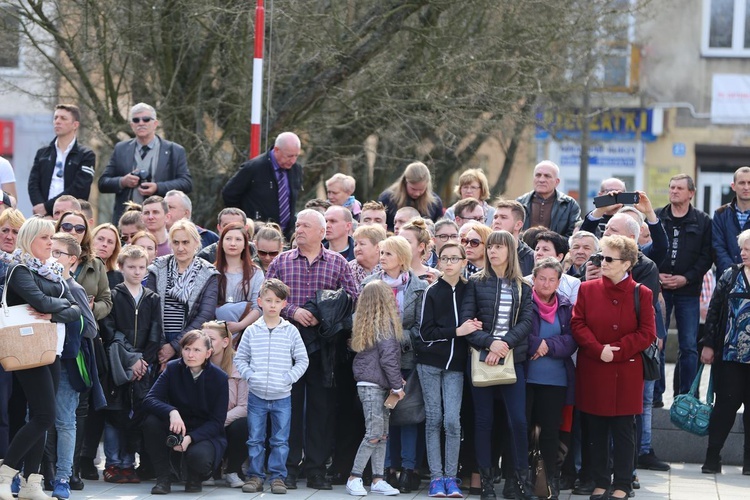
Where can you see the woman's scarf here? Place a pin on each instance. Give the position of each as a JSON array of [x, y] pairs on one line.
[[51, 271], [398, 285], [547, 311], [182, 284]]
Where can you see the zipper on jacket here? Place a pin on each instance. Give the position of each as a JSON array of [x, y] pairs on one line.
[[455, 315], [137, 306], [268, 361]]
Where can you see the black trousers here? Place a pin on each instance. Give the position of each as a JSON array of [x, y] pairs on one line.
[[544, 404], [312, 421], [622, 430], [349, 419], [237, 435], [198, 459], [39, 385], [732, 386]]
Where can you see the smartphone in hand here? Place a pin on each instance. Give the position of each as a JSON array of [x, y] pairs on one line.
[[391, 401]]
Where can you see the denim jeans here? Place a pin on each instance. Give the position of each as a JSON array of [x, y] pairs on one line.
[[648, 400], [258, 410], [373, 445], [442, 390], [66, 400], [661, 332], [404, 436], [115, 447], [687, 313]]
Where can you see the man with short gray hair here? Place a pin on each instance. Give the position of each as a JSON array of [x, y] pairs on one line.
[[546, 206], [181, 207], [144, 166]]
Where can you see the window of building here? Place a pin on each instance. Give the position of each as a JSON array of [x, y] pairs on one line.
[[617, 67], [726, 28], [10, 38]]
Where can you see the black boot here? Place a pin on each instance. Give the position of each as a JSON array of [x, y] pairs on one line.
[[523, 490], [86, 468], [509, 491], [405, 480], [75, 482], [48, 471], [163, 486], [712, 465], [488, 485], [554, 487]]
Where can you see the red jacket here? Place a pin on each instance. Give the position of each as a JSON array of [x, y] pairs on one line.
[[605, 314]]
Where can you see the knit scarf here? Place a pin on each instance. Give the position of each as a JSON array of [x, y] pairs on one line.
[[182, 284], [398, 285], [51, 271], [547, 311]]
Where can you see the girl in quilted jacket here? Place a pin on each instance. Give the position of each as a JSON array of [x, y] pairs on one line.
[[376, 338]]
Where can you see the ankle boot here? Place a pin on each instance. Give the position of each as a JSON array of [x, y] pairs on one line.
[[523, 490], [554, 487], [712, 465], [405, 480], [6, 478], [488, 485], [31, 489]]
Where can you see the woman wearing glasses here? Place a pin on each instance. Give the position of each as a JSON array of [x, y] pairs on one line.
[[610, 335], [395, 262], [500, 300], [472, 237], [473, 184], [239, 279], [269, 242]]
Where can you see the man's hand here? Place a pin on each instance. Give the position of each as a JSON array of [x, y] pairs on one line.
[[305, 317], [672, 281], [593, 272], [39, 209], [129, 181], [166, 353], [147, 189], [644, 206]]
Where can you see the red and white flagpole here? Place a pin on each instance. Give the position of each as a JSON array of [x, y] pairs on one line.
[[255, 107]]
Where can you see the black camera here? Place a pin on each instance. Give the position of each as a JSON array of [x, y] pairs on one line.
[[596, 260], [174, 439], [143, 176]]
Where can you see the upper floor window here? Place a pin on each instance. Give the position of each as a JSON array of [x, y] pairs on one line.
[[10, 38], [726, 28]]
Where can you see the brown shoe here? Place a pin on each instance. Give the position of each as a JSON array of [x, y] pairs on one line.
[[278, 487], [253, 485]]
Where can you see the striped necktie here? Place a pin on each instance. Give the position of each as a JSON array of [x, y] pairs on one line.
[[284, 198]]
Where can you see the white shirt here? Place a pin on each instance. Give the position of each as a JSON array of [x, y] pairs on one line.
[[57, 186], [6, 172]]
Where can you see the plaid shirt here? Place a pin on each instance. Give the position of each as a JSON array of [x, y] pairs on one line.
[[328, 271]]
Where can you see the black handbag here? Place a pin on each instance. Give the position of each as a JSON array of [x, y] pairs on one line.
[[410, 410], [650, 355]]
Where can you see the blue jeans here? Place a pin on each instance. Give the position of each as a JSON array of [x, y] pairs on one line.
[[687, 313], [644, 446], [115, 447], [661, 332], [442, 390], [66, 400], [258, 410]]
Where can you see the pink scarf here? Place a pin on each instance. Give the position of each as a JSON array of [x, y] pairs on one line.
[[546, 311]]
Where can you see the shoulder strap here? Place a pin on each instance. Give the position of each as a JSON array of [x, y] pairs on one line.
[[638, 303], [518, 310]]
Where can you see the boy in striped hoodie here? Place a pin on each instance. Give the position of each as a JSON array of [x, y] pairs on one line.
[[271, 357]]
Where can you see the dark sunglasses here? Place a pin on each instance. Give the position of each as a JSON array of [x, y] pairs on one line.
[[68, 228], [267, 254], [473, 243], [145, 119], [597, 259], [59, 171]]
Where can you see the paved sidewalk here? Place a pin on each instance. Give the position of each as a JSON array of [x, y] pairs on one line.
[[683, 482]]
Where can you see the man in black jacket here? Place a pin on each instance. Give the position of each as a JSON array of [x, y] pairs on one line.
[[62, 167], [681, 272], [266, 187], [509, 216]]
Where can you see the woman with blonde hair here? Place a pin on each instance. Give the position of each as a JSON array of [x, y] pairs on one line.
[[472, 183], [105, 242], [366, 251], [419, 238], [500, 299], [412, 189], [473, 237]]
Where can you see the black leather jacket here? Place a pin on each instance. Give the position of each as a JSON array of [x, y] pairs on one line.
[[45, 296]]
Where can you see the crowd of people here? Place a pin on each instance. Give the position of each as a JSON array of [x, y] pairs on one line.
[[287, 344]]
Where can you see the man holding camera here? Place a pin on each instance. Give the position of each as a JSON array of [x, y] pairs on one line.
[[146, 165]]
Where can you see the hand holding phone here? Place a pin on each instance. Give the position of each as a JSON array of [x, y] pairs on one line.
[[613, 198]]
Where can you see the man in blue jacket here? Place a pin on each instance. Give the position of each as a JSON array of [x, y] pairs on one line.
[[729, 221]]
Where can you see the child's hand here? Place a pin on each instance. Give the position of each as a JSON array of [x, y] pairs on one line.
[[400, 394], [469, 326]]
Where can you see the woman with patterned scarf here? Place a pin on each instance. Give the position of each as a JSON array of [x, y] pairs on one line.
[[408, 290], [188, 287]]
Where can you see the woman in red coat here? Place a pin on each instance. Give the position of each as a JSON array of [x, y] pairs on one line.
[[609, 375]]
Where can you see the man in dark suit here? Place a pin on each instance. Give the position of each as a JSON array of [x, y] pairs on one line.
[[63, 167], [266, 187], [146, 165]]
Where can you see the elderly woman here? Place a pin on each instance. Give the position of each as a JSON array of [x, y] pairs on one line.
[[412, 189], [366, 252], [340, 190], [609, 376], [39, 285], [188, 287], [395, 263], [550, 370], [472, 183], [501, 300], [726, 349]]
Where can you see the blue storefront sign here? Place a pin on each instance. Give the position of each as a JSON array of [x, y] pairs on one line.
[[619, 124]]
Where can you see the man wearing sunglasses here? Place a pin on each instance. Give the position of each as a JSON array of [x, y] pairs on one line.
[[146, 165], [64, 166]]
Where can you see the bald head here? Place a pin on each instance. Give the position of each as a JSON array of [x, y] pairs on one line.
[[623, 224], [286, 149]]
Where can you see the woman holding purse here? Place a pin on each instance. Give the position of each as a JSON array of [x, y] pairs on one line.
[[40, 285]]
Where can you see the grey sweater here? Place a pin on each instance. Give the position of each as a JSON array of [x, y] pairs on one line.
[[271, 361]]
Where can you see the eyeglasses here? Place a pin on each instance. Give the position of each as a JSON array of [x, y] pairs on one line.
[[68, 228], [59, 171], [267, 254], [479, 218], [57, 253], [446, 237], [452, 260], [145, 119], [473, 243]]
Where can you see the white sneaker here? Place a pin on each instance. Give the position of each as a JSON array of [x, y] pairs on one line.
[[383, 488], [209, 482], [233, 480], [356, 488]]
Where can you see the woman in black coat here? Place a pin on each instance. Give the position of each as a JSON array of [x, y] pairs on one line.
[[30, 280]]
